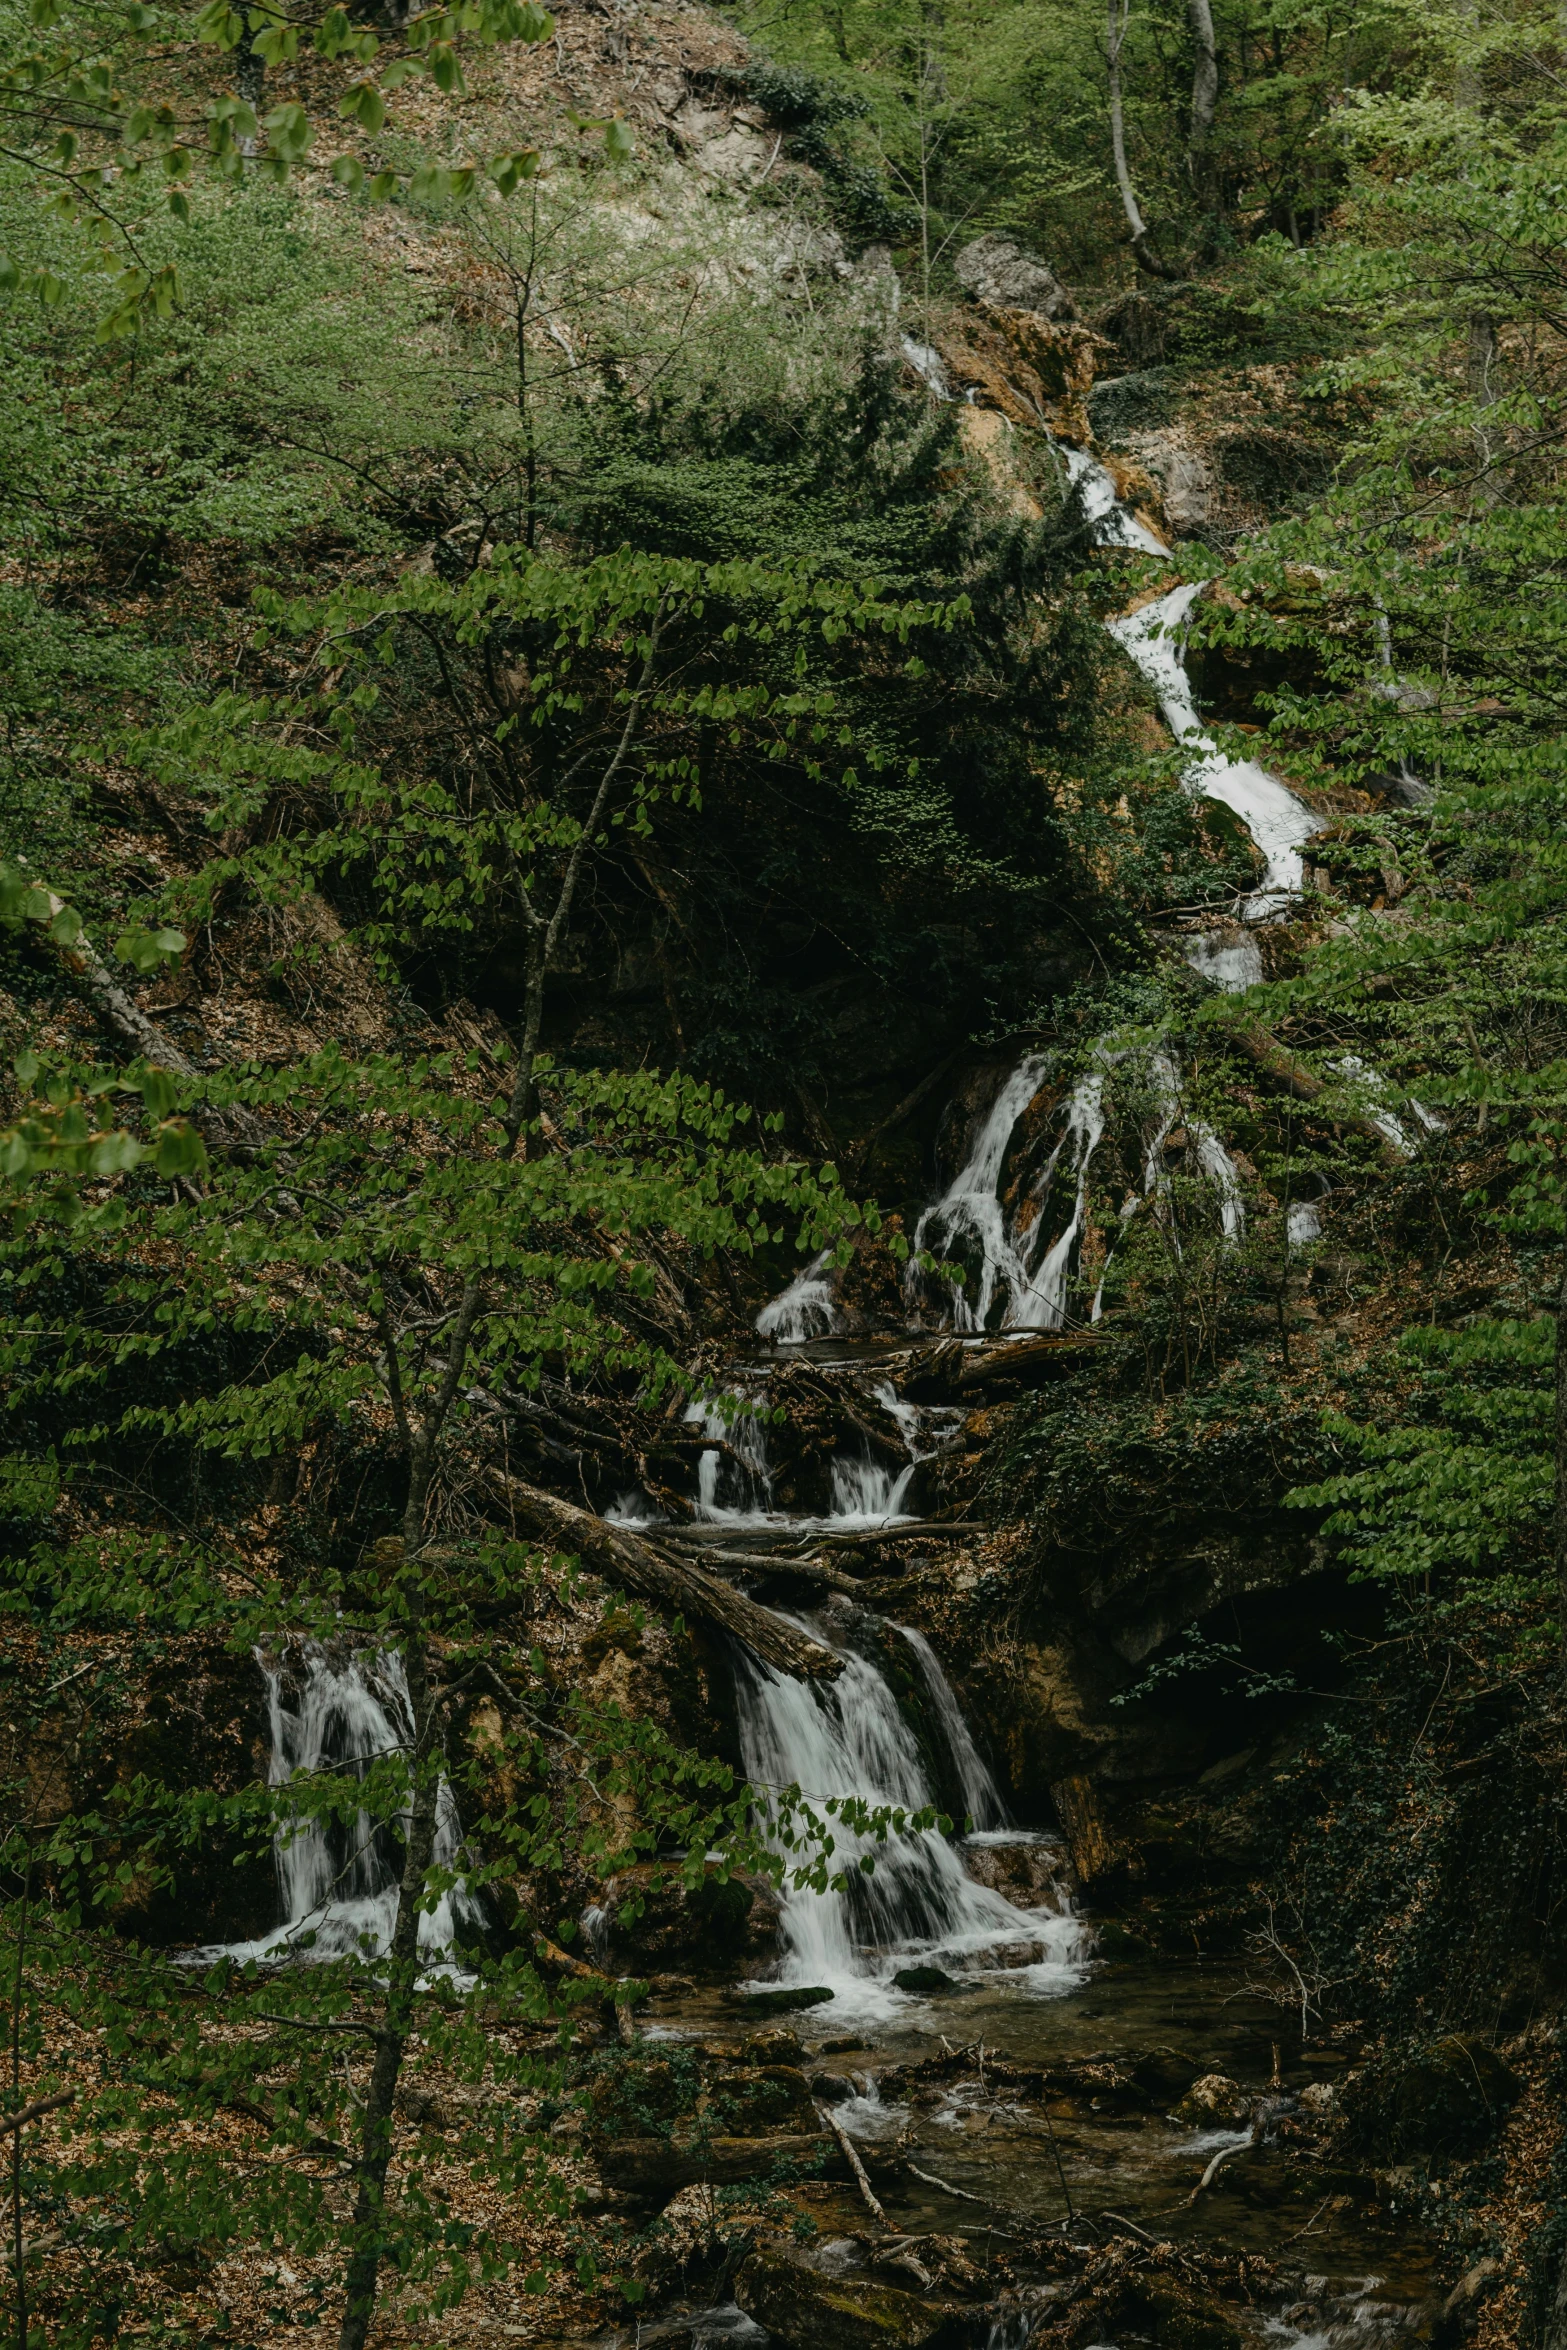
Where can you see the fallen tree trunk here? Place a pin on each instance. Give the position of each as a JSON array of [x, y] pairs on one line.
[[621, 1556], [1279, 1063]]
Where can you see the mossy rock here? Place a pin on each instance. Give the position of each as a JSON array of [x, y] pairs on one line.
[[804, 2310], [928, 1982], [1131, 403], [1449, 2098], [756, 2101]]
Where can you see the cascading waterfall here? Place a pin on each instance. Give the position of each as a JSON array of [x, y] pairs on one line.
[[981, 1795], [340, 1884], [848, 1738], [806, 1309], [1278, 822], [970, 1216]]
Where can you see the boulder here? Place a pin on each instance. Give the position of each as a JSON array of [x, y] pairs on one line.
[[805, 2309], [1214, 2102], [928, 1982], [1450, 2098], [1033, 1872], [998, 272], [785, 2001], [1165, 2074]]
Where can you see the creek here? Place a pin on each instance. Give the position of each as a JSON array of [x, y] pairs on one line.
[[974, 1936]]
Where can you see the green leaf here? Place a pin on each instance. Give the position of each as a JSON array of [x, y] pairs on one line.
[[26, 1065], [349, 173], [289, 132], [365, 105], [181, 1150], [219, 25], [619, 145], [509, 171], [157, 1090]]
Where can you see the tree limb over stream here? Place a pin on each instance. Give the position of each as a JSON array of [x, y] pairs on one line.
[[623, 1557]]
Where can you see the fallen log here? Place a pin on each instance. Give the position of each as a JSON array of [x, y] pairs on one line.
[[1278, 1062], [623, 1557], [1019, 1357], [782, 1563]]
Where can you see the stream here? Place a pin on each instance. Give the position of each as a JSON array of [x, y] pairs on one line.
[[971, 1937]]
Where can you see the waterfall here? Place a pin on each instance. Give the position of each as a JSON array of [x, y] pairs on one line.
[[1278, 822], [736, 1484], [981, 1795], [848, 1738], [864, 1493], [806, 1309], [339, 1882], [970, 1216]]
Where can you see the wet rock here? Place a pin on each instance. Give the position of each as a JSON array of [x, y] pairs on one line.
[[776, 2045], [1319, 2099], [785, 2001], [1214, 2102], [928, 1982], [996, 271], [1165, 2074], [831, 2088], [808, 2310], [1033, 1873], [1035, 371]]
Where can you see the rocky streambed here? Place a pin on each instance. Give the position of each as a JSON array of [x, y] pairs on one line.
[[1148, 2156]]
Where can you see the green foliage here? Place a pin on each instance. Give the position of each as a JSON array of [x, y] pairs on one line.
[[1458, 1492]]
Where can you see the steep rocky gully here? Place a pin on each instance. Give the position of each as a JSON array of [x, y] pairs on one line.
[[1052, 2076]]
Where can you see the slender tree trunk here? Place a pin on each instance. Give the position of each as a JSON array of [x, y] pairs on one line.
[[18, 2269], [368, 2241], [1205, 98], [1145, 257], [1561, 1496]]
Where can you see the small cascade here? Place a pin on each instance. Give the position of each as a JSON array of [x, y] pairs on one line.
[[1278, 822], [981, 1795], [735, 1483], [970, 1222], [848, 1738], [339, 1883], [865, 1493], [808, 1308]]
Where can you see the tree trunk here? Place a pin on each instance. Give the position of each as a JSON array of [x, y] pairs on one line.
[[1142, 253], [1561, 1489], [364, 2262], [1205, 97], [623, 1557]]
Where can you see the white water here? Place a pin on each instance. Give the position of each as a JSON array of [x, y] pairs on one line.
[[735, 1487], [971, 1218], [918, 1905], [1278, 822], [981, 1795], [806, 1309], [339, 1883]]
